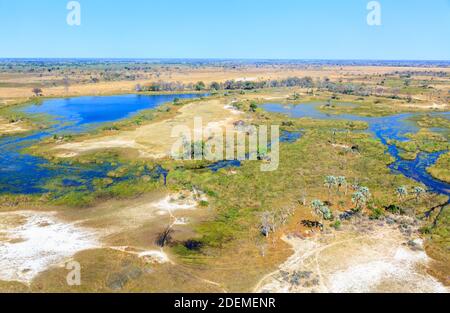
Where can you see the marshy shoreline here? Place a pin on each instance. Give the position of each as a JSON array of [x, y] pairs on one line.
[[213, 235]]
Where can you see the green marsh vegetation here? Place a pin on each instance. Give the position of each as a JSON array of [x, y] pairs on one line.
[[263, 188], [229, 238], [240, 196], [441, 170], [432, 137], [14, 114], [125, 180], [370, 106], [423, 141], [430, 121]]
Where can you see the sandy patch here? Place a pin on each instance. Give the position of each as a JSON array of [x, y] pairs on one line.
[[233, 109], [171, 204], [345, 147], [150, 256], [113, 143], [400, 273], [154, 256], [180, 202], [156, 140], [34, 241], [426, 105], [31, 242], [342, 262], [7, 128], [124, 216], [275, 98], [246, 79], [439, 106]]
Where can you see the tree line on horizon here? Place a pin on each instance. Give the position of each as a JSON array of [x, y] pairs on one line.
[[306, 82]]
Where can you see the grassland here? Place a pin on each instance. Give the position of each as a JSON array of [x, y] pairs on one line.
[[12, 127], [441, 170], [230, 251], [423, 141], [231, 242], [72, 78], [429, 121]]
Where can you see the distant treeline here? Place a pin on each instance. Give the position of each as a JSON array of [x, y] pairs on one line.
[[408, 74], [220, 62], [302, 82]]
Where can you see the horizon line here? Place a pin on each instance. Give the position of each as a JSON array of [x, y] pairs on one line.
[[226, 59]]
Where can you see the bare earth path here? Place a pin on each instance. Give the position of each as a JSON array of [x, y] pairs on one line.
[[378, 261]]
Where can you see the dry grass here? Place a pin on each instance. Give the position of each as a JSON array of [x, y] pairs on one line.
[[8, 128], [441, 170], [17, 86]]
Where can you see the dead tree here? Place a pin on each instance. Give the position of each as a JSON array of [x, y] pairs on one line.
[[267, 223], [164, 238]]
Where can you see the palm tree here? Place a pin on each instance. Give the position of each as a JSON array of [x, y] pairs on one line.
[[267, 223], [321, 210], [365, 191], [402, 192], [303, 199], [330, 181], [317, 205], [333, 135], [360, 198], [326, 213], [418, 192], [342, 181]]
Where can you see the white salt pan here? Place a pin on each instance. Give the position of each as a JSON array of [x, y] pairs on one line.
[[39, 241]]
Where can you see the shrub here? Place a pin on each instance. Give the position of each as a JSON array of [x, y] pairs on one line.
[[394, 209], [337, 225], [193, 245], [75, 199], [376, 213], [253, 107]]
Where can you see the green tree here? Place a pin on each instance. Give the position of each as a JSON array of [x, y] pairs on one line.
[[37, 92], [402, 192], [365, 191], [214, 86], [330, 182], [359, 199], [321, 210], [199, 86], [326, 213], [419, 192], [316, 205], [341, 182]]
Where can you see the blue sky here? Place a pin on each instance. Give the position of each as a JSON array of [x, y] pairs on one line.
[[283, 29]]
